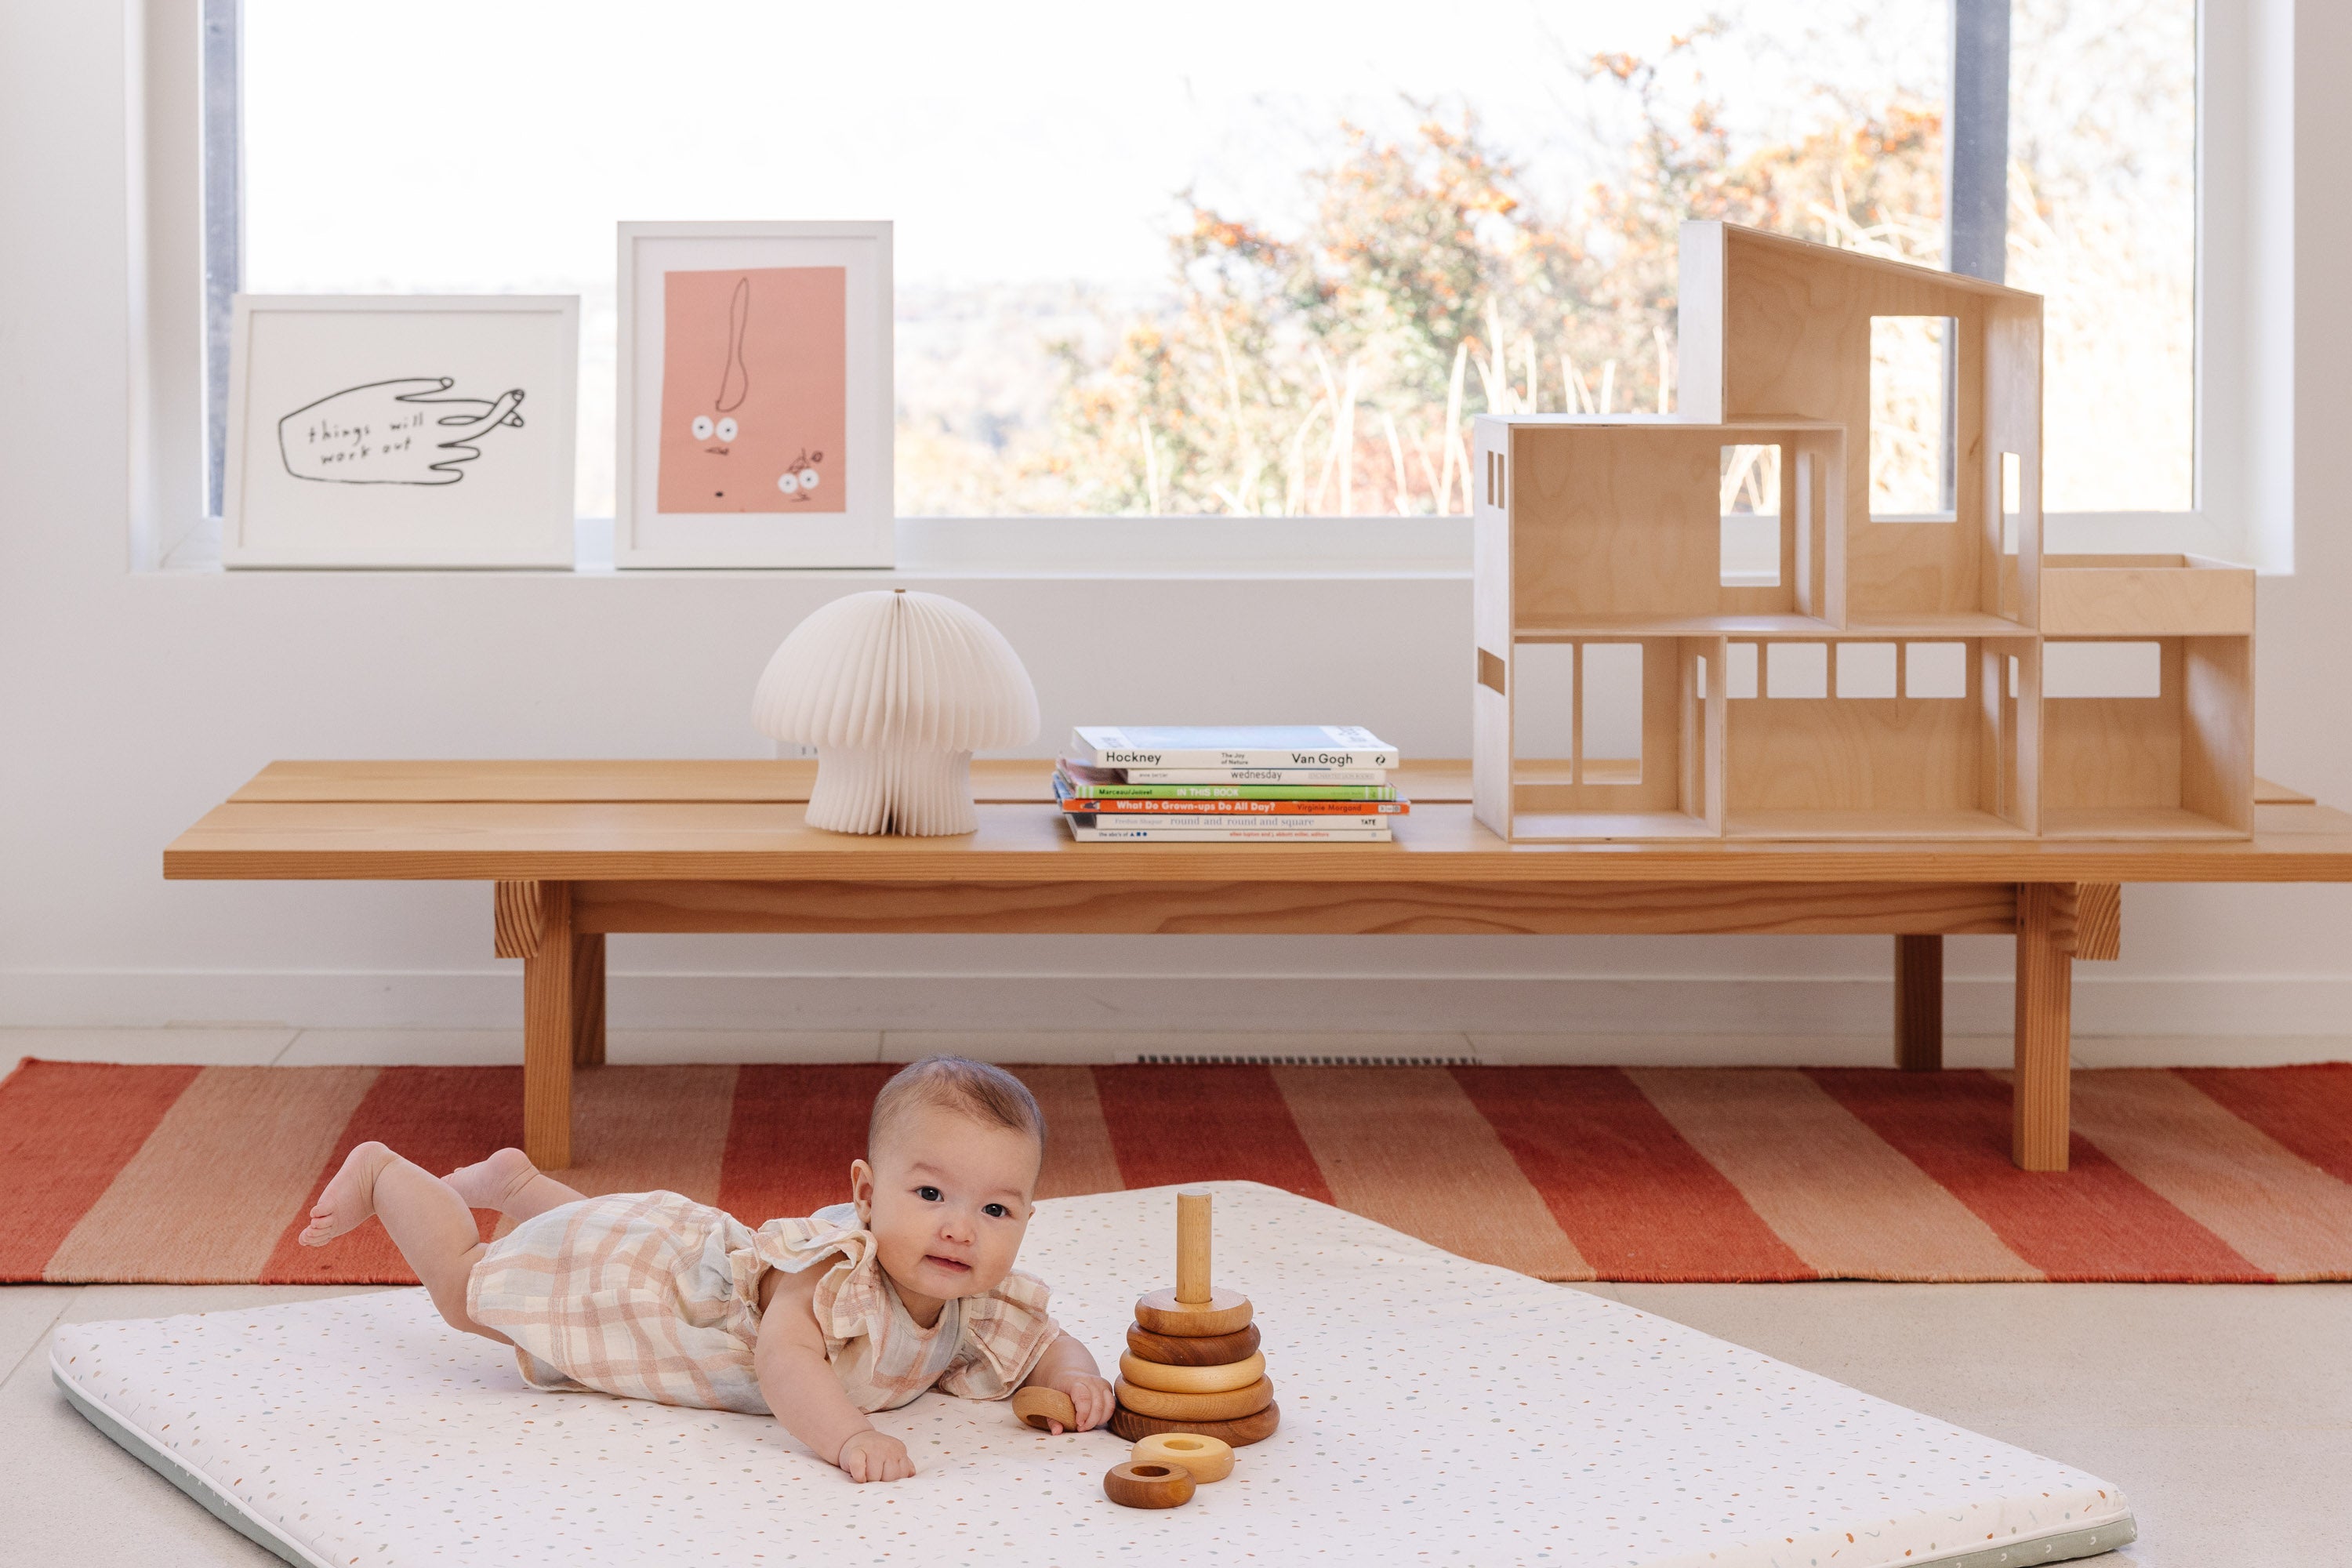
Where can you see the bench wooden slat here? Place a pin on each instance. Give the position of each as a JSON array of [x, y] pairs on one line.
[[733, 840]]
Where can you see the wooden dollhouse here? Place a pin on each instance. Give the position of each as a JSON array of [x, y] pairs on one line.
[[1926, 676]]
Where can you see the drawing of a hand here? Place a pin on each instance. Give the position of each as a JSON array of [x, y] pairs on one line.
[[391, 432]]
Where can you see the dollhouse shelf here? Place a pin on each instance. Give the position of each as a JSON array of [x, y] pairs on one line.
[[1872, 678]]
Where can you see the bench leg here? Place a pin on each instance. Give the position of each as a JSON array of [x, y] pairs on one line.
[[587, 1000], [552, 1029], [1919, 1003], [2045, 985]]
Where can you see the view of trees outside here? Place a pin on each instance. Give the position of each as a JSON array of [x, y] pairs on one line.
[[1283, 287]]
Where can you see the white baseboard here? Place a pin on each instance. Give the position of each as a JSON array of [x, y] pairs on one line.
[[454, 1048], [1764, 1009]]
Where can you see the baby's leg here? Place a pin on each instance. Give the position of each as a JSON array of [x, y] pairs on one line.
[[426, 1217], [509, 1182]]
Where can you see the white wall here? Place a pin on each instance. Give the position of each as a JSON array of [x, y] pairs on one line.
[[130, 702]]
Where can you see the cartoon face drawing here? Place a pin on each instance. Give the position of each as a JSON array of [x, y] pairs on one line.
[[754, 390]]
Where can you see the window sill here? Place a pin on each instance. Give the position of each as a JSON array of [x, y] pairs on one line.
[[1097, 548], [1074, 547]]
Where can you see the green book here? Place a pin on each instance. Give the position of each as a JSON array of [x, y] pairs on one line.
[[1065, 785]]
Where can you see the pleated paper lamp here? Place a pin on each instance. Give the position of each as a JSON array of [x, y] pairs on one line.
[[895, 690]]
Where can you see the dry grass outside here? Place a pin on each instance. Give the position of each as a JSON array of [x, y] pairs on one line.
[[1335, 372]]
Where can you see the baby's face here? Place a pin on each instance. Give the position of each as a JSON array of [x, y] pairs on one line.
[[948, 1201]]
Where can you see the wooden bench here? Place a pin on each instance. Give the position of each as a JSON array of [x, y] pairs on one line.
[[581, 849]]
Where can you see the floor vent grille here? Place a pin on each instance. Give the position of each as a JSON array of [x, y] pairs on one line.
[[1173, 1058]]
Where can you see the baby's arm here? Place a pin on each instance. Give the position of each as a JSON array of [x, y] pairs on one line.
[[1068, 1366], [799, 1386]]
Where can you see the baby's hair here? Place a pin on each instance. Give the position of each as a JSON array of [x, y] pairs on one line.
[[989, 1095]]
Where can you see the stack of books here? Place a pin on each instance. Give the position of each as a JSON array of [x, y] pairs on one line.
[[1304, 781]]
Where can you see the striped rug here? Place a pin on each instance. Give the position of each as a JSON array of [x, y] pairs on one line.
[[186, 1174]]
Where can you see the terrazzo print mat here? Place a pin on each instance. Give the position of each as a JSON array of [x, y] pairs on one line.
[[1435, 1412], [186, 1175]]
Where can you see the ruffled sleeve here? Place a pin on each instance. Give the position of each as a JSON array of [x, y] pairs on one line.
[[852, 1299], [1005, 1333]]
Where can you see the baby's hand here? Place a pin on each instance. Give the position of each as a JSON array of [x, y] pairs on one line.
[[871, 1455], [1090, 1398]]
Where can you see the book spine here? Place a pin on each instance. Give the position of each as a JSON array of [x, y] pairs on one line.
[[1116, 805], [1228, 835], [1267, 757], [1223, 823], [1231, 792], [1254, 758], [1321, 778]]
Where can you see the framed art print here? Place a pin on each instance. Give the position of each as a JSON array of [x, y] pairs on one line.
[[395, 430], [755, 395]]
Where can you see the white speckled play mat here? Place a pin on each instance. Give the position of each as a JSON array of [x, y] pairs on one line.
[[1435, 1411]]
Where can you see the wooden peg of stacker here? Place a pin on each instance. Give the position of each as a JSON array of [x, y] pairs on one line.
[[1192, 1287]]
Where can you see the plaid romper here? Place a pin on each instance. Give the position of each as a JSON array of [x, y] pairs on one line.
[[653, 1296]]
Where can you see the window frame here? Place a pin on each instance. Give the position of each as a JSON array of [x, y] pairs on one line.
[[190, 228]]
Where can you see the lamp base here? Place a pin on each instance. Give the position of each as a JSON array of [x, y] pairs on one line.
[[889, 789]]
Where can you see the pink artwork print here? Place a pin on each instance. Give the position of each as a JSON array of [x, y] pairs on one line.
[[754, 404]]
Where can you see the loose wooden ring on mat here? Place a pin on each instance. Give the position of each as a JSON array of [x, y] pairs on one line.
[[1154, 1485], [1240, 1433], [1040, 1406], [1225, 1312], [1209, 1458], [1200, 1349], [1230, 1405], [1192, 1379]]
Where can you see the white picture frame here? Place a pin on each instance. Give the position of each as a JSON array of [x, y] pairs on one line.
[[401, 431], [728, 495]]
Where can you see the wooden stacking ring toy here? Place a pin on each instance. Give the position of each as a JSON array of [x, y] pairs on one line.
[[1209, 1458], [1192, 1379], [1192, 1350], [1188, 1351], [1134, 1427], [1137, 1484], [1219, 1313], [1041, 1407], [1230, 1405], [1194, 1308]]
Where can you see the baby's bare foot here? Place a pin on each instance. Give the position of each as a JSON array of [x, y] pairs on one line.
[[349, 1201], [492, 1184]]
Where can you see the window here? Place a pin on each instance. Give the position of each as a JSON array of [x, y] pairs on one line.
[[1256, 264]]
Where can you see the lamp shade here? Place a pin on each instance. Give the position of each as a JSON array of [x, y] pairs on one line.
[[896, 690]]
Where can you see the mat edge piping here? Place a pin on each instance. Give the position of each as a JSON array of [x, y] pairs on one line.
[[2112, 1536], [221, 1504]]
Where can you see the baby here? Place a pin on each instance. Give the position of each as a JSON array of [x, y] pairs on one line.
[[823, 1320]]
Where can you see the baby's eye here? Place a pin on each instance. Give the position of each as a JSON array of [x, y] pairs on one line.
[[702, 426], [727, 429], [929, 1194], [997, 1211]]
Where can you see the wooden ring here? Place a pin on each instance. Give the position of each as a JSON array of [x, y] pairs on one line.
[[1209, 1458], [1225, 1312], [1040, 1406], [1148, 1484], [1192, 1379], [1195, 1349], [1134, 1427], [1230, 1405]]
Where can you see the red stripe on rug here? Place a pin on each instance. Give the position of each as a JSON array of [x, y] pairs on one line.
[[1205, 1123], [791, 1137], [2097, 1221], [2307, 1108], [1637, 1200], [67, 1129], [441, 1118]]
